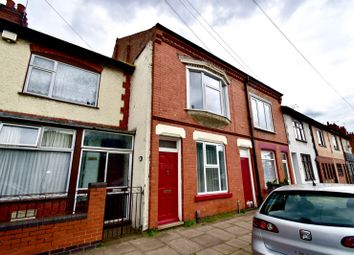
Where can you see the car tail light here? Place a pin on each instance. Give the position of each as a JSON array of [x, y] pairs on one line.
[[348, 241], [265, 225]]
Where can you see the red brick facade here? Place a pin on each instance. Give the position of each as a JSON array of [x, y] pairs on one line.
[[69, 235], [169, 103]]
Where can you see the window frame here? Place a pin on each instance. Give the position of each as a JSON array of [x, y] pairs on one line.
[[264, 101], [108, 151], [275, 165], [306, 158], [53, 72], [285, 161], [224, 95], [2, 124], [335, 143], [299, 131], [39, 147], [320, 137], [205, 166]]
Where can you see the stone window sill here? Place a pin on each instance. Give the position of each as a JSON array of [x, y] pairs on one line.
[[208, 119], [205, 197]]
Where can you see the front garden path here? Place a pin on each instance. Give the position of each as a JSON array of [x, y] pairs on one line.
[[228, 236]]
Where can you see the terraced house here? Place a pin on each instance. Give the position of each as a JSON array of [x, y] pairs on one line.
[[208, 136], [63, 125]]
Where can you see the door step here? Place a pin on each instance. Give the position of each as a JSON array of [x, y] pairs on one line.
[[170, 225]]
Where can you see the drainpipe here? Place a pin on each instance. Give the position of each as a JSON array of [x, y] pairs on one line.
[[250, 122]]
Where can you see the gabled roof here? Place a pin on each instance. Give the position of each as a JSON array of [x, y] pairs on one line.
[[302, 117], [61, 45]]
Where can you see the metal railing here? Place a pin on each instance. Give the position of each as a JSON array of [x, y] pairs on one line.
[[123, 212], [38, 206]]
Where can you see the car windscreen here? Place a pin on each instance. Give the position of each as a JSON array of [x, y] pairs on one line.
[[312, 207]]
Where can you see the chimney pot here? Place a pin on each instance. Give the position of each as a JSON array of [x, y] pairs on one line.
[[10, 4], [21, 8]]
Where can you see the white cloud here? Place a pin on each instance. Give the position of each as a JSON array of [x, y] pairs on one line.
[[321, 29]]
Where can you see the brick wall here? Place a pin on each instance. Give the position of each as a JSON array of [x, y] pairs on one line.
[[62, 237], [189, 178]]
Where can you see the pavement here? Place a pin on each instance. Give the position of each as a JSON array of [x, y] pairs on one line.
[[228, 236]]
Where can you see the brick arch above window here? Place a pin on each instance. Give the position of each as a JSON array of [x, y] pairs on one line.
[[65, 57], [206, 66]]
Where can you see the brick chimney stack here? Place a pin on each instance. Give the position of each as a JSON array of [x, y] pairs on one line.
[[16, 15]]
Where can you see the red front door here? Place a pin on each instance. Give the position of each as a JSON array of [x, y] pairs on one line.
[[247, 186], [168, 188]]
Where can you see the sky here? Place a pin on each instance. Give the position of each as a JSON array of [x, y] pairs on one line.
[[322, 30]]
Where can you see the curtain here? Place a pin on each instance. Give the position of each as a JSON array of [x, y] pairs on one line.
[[269, 170], [200, 168], [18, 135], [212, 177], [211, 156], [75, 84], [56, 139], [31, 172]]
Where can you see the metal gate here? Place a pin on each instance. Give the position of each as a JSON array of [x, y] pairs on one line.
[[123, 212]]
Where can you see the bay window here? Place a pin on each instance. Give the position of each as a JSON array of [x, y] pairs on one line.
[[34, 160], [211, 168], [207, 92], [262, 114], [57, 80]]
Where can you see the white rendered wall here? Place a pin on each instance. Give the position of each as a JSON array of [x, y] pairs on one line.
[[297, 147], [140, 120]]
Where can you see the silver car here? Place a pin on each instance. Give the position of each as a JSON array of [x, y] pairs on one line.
[[306, 220]]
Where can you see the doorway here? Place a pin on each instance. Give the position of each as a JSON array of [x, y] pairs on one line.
[[168, 182], [247, 179]]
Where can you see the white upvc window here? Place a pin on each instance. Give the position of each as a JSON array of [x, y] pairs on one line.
[[262, 113], [34, 159], [299, 131], [269, 166], [335, 143], [53, 79], [211, 168], [207, 92]]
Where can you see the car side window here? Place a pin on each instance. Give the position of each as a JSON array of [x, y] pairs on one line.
[[321, 208]]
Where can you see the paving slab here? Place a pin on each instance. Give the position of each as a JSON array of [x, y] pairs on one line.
[[237, 231], [206, 240], [221, 234], [225, 248], [237, 243], [184, 246], [205, 228], [168, 236], [147, 243], [229, 236], [208, 251], [189, 233], [121, 248], [162, 251]]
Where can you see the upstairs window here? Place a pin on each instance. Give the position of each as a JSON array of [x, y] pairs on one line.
[[320, 137], [262, 114], [54, 79], [207, 92], [299, 131], [335, 143]]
